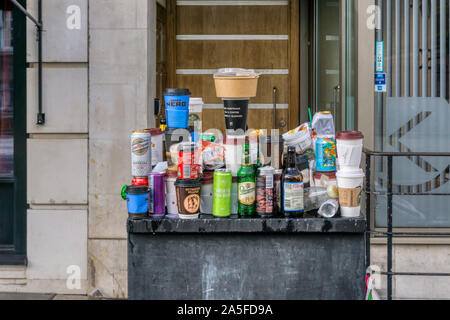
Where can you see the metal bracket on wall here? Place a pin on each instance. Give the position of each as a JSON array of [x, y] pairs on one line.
[[39, 27]]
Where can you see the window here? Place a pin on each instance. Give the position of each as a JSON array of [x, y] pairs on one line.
[[12, 134], [412, 116]]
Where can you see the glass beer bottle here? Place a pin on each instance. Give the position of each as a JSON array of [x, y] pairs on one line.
[[292, 188], [246, 185]]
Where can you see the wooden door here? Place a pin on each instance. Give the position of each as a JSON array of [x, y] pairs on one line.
[[262, 35]]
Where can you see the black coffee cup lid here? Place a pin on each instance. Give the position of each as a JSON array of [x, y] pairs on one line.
[[136, 190], [188, 183], [177, 92]]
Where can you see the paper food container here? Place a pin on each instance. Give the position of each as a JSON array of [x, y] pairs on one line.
[[236, 83]]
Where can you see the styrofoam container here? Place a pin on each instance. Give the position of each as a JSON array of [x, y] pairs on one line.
[[349, 145], [350, 185], [171, 197]]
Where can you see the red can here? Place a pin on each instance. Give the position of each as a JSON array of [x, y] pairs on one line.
[[140, 181], [189, 166]]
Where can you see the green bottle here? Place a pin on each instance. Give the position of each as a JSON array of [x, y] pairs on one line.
[[246, 185]]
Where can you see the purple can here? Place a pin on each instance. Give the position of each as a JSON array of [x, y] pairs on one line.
[[157, 203]]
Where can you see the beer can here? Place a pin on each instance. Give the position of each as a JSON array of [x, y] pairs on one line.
[[222, 193], [157, 203], [141, 154]]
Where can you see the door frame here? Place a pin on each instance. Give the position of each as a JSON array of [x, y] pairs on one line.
[[15, 254]]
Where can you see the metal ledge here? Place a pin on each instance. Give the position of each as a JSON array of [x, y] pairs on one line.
[[207, 224]]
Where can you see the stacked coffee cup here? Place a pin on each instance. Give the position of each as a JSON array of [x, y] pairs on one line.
[[350, 176]]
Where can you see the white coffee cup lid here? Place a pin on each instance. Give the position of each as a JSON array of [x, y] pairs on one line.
[[350, 173]]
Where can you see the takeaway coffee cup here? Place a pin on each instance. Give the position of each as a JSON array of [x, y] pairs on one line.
[[174, 136], [233, 153], [137, 201], [171, 194], [236, 111], [350, 184], [188, 198], [349, 145], [177, 107]]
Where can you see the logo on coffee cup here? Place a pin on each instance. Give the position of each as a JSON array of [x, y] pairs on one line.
[[192, 203]]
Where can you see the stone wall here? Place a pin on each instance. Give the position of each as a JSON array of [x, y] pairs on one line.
[[119, 95]]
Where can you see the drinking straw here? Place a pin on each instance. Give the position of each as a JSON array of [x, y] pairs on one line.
[[310, 117]]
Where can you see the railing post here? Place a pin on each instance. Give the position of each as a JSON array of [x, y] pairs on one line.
[[389, 225], [368, 198]]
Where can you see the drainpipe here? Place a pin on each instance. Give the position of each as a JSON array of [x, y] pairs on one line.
[[39, 26]]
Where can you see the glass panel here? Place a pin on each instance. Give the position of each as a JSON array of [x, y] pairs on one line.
[[413, 115], [6, 90], [327, 57]]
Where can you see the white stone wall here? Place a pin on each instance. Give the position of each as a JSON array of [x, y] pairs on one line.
[[57, 153], [120, 66]]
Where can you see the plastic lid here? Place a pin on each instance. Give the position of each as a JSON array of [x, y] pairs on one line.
[[182, 132], [177, 92], [266, 171], [349, 135], [351, 173], [236, 72], [187, 183], [195, 101], [136, 190], [155, 131], [234, 140], [187, 147]]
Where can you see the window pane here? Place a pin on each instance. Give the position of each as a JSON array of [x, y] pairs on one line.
[[6, 90], [413, 115]]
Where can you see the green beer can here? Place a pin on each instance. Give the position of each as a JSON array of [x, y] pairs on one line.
[[223, 181]]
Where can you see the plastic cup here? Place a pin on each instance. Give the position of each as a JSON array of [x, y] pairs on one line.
[[349, 145], [171, 195], [236, 111], [234, 146], [137, 201], [350, 184], [177, 107]]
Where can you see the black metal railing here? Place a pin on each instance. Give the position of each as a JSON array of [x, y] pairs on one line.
[[389, 234]]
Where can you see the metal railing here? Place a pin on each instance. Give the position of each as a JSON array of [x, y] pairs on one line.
[[389, 234]]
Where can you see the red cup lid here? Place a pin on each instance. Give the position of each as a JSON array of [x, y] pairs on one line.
[[155, 131], [349, 135], [140, 181]]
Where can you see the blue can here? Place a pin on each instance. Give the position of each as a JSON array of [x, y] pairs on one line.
[[325, 155], [176, 102], [137, 200]]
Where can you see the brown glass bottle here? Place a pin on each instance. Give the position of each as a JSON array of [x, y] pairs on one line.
[[292, 188]]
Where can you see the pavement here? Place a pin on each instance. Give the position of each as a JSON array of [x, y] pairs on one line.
[[43, 296]]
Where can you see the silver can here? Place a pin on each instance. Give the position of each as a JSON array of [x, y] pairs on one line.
[[141, 154]]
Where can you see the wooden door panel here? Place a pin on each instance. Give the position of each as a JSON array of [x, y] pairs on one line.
[[232, 20], [202, 39], [202, 85], [250, 54]]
